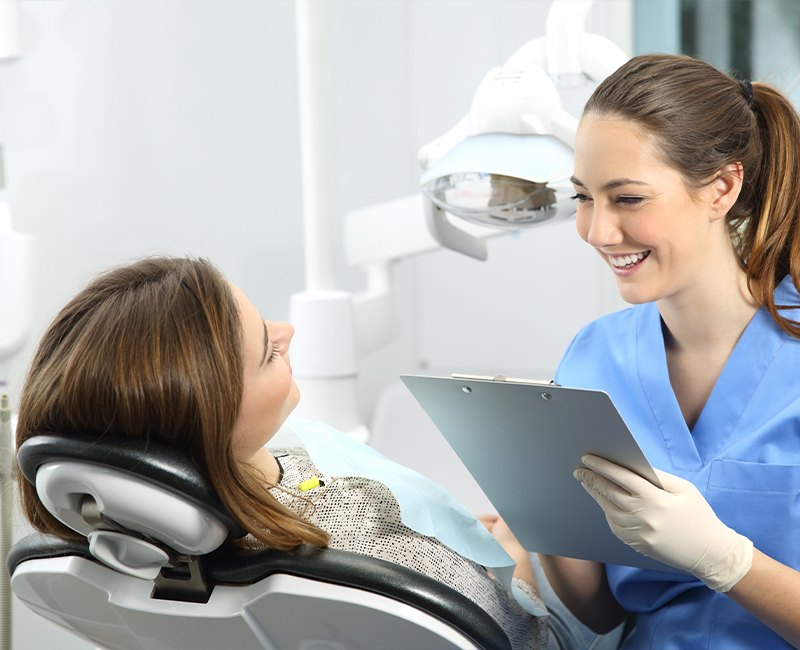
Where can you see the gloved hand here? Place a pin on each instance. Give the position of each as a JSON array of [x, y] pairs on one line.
[[675, 525]]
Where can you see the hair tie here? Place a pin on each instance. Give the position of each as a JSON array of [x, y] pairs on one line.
[[747, 88]]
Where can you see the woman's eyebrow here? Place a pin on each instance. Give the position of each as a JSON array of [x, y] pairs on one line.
[[610, 185], [266, 341], [576, 181]]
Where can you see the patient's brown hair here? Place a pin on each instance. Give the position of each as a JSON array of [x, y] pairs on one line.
[[154, 350]]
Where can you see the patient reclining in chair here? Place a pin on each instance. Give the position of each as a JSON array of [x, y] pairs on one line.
[[166, 349]]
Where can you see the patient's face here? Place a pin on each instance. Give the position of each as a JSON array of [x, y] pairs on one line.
[[270, 393]]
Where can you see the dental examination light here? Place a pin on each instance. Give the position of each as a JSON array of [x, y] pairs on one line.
[[505, 166]]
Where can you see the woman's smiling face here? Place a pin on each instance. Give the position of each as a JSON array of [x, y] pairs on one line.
[[639, 214]]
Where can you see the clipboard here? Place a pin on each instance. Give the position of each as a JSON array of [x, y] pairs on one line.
[[521, 439]]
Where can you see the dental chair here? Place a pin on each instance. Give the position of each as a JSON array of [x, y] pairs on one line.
[[153, 569]]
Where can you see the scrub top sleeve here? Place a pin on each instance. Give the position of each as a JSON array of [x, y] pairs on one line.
[[565, 356]]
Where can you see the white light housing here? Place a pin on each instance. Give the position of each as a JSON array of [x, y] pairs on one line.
[[503, 180], [507, 164]]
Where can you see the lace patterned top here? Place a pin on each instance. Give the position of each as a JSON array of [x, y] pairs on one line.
[[362, 516]]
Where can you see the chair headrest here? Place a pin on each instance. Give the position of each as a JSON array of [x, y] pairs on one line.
[[108, 487]]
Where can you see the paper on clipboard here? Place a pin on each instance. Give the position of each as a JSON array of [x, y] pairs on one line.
[[521, 440]]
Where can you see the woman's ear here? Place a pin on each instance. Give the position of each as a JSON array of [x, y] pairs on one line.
[[725, 189]]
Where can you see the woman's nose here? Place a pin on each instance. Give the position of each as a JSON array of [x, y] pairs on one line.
[[604, 229], [282, 331]]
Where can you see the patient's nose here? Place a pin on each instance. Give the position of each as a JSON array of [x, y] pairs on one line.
[[282, 332]]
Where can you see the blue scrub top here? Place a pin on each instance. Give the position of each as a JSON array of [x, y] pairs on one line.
[[743, 454]]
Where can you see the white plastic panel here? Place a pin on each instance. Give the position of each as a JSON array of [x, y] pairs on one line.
[[278, 613]]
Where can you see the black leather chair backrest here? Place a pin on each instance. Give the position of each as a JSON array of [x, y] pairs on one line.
[[231, 564]]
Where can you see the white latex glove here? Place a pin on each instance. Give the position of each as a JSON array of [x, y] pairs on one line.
[[675, 525]]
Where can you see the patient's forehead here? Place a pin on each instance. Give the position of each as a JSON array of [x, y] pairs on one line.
[[244, 303], [252, 324]]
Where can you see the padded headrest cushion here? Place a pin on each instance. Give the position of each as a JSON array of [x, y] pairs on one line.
[[167, 467]]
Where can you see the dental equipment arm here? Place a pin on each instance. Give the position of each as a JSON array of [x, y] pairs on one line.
[[519, 103]]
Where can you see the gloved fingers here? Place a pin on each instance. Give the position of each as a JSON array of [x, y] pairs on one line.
[[622, 476], [612, 498], [609, 507], [626, 522]]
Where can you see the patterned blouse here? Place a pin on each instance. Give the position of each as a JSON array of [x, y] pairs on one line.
[[362, 516]]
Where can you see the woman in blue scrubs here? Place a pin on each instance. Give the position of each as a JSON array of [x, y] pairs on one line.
[[688, 185]]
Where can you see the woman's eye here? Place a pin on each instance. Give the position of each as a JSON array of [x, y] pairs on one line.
[[580, 198], [629, 200], [276, 351]]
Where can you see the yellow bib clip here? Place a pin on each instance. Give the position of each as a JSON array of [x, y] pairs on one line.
[[309, 484]]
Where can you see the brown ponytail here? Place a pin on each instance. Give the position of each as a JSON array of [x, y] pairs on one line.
[[770, 238]]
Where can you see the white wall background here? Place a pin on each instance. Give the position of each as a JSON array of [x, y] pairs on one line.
[[171, 126]]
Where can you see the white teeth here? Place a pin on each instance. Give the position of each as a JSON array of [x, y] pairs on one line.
[[626, 260]]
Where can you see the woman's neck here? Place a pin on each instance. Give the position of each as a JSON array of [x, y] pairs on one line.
[[711, 317], [701, 328], [267, 464]]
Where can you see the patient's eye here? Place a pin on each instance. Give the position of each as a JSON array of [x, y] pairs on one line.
[[276, 350]]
